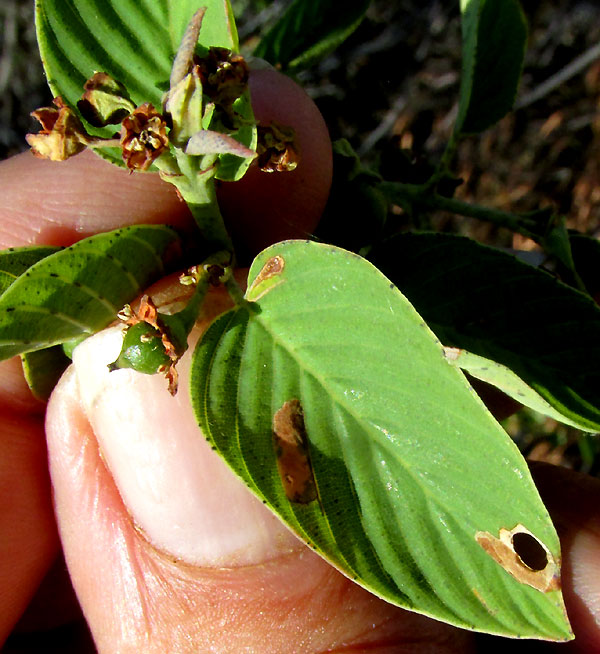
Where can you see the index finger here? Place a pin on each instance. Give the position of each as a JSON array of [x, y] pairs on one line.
[[44, 202]]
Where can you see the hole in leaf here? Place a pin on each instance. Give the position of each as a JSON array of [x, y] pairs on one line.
[[529, 550], [523, 556]]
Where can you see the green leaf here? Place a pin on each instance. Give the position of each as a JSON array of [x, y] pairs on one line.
[[329, 396], [134, 41], [309, 30], [489, 303], [493, 49], [80, 289], [15, 261], [505, 379], [42, 370], [232, 167]]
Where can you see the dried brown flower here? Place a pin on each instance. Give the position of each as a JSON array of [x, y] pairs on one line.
[[224, 75], [143, 137], [62, 134], [277, 148]]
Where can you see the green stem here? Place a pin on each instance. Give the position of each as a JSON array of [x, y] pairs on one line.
[[234, 289], [417, 197], [196, 185], [423, 197]]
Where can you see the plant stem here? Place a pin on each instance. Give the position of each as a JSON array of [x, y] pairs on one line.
[[196, 185], [424, 197]]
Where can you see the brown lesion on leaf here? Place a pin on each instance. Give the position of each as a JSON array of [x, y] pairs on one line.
[[452, 353], [272, 269], [143, 137], [291, 450], [62, 134], [277, 148], [523, 556]]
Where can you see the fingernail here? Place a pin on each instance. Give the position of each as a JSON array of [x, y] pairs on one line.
[[179, 492]]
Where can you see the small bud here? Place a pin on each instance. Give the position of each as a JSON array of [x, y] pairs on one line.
[[184, 103], [105, 101], [143, 137], [62, 134]]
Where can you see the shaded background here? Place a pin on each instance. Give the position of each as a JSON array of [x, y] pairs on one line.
[[393, 87]]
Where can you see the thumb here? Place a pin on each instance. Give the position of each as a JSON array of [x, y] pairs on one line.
[[168, 551], [572, 500]]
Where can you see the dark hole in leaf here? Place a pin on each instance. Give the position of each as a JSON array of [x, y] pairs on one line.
[[529, 550]]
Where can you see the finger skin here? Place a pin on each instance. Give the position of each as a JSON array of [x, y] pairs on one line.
[[573, 500], [55, 204], [29, 541], [58, 203], [293, 603], [264, 208]]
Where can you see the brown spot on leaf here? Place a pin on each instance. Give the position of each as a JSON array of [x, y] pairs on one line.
[[523, 556], [291, 448], [273, 268], [452, 353]]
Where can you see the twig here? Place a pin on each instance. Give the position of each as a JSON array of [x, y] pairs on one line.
[[385, 126], [574, 68]]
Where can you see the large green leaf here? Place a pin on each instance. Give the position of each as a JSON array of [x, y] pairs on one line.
[[493, 305], [494, 41], [309, 30], [80, 289], [330, 397], [134, 41], [15, 261]]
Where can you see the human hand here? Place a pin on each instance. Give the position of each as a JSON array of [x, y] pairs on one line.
[[202, 565]]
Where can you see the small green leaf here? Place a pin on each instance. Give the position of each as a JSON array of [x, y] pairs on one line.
[[42, 370], [507, 381], [494, 42], [80, 289], [309, 30], [489, 303], [133, 41], [15, 261], [329, 396]]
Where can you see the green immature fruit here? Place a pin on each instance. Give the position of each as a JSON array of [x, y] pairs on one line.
[[143, 350]]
